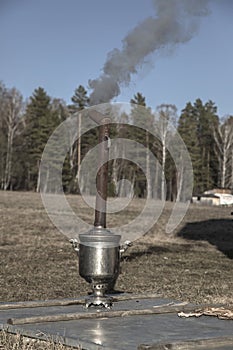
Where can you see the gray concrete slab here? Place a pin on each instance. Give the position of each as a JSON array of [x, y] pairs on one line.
[[119, 333]]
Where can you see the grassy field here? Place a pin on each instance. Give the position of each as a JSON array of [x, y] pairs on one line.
[[37, 262]]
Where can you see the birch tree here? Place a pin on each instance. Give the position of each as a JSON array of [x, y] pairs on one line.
[[12, 117], [167, 115], [223, 135]]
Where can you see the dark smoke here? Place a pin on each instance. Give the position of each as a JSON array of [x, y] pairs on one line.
[[175, 22]]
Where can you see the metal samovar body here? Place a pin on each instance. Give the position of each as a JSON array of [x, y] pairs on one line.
[[99, 263]]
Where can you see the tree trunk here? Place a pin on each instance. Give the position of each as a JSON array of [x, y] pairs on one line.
[[156, 180], [79, 147], [180, 180], [208, 169], [45, 188], [148, 170], [223, 177], [163, 180], [38, 178], [8, 165], [231, 170]]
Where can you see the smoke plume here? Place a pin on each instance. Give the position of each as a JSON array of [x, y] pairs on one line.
[[175, 22]]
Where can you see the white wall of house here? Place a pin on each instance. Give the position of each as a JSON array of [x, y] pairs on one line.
[[225, 199]]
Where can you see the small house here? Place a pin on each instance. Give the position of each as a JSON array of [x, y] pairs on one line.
[[214, 197]]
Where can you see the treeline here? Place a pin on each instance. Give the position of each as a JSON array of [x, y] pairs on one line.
[[25, 127]]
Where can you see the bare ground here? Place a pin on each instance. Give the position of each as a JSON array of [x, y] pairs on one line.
[[37, 262]]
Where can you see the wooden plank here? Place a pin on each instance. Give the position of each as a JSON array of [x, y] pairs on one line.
[[42, 303], [158, 309]]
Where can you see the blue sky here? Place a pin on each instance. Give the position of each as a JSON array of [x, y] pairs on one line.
[[60, 44]]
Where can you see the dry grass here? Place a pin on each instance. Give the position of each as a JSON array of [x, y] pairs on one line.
[[18, 342], [37, 262]]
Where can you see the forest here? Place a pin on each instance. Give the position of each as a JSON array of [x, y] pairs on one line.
[[25, 127]]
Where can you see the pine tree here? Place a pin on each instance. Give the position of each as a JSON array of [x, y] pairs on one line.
[[143, 118], [196, 128], [187, 128], [40, 123], [138, 99], [61, 112], [80, 101]]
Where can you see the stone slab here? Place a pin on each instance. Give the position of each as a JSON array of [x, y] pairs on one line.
[[119, 333]]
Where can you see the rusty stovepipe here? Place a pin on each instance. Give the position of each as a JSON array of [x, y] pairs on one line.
[[102, 174]]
